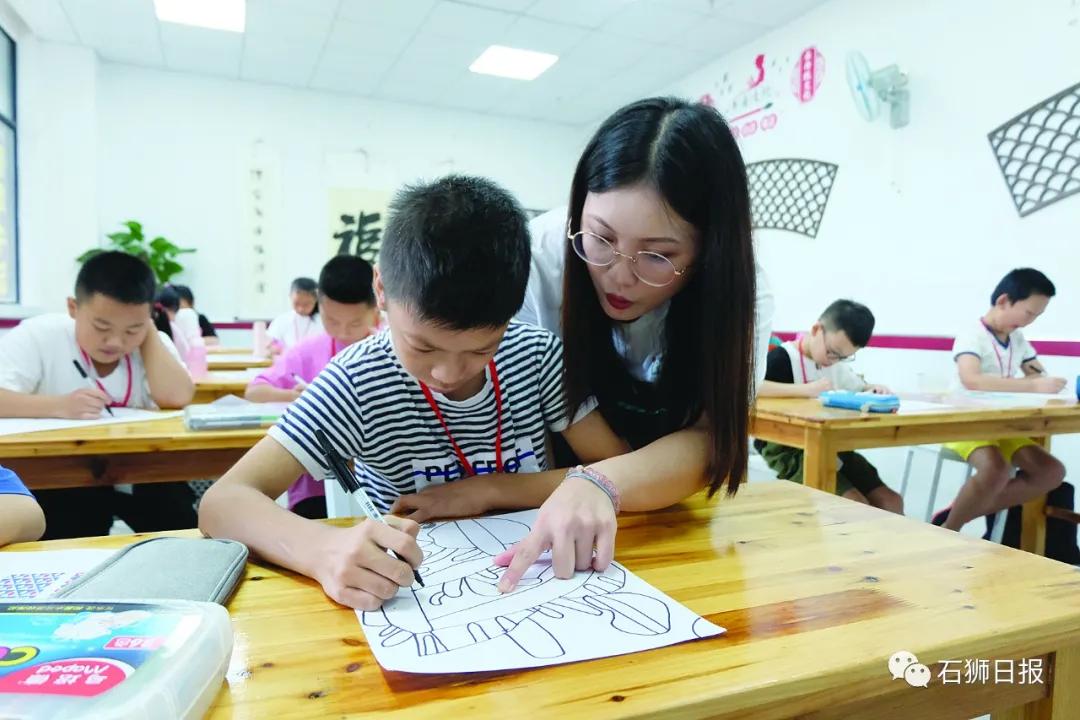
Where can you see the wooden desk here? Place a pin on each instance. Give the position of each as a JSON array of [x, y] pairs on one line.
[[240, 361], [219, 384], [816, 593], [822, 432], [150, 451], [222, 350]]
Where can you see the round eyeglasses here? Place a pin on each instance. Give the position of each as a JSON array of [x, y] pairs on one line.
[[649, 267]]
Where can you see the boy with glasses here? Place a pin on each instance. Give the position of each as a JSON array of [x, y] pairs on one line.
[[813, 363]]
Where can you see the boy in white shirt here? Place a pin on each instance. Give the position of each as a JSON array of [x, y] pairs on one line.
[[993, 355], [109, 333], [808, 366]]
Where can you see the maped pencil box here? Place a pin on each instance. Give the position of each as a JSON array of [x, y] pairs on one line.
[[861, 401]]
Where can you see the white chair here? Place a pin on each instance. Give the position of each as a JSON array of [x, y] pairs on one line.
[[338, 503], [942, 454]]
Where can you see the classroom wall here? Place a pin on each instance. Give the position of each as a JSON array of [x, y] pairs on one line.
[[174, 151], [919, 225]]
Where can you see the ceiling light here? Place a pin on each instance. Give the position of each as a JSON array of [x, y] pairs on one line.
[[212, 14], [513, 63]]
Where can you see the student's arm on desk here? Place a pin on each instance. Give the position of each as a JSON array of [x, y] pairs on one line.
[[973, 378], [170, 384], [83, 404], [351, 563], [265, 392], [21, 519], [21, 371], [770, 388]]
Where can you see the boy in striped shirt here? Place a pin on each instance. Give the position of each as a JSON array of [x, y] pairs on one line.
[[453, 389]]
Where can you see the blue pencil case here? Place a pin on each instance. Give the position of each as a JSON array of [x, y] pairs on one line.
[[861, 401]]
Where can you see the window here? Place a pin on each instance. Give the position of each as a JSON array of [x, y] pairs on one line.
[[9, 240]]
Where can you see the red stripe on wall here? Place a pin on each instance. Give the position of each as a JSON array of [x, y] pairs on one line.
[[1058, 348], [237, 325]]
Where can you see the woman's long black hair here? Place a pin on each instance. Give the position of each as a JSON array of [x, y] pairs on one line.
[[685, 152]]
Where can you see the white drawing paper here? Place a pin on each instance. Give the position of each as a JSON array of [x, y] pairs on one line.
[[1008, 399], [41, 575], [460, 622], [15, 426], [914, 407]]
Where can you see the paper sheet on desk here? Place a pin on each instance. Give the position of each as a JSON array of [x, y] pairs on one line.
[[14, 426], [460, 622], [41, 575], [1006, 399], [912, 407]]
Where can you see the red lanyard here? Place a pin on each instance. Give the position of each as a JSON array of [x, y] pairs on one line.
[[127, 395], [801, 363], [498, 423], [1006, 370], [333, 347]]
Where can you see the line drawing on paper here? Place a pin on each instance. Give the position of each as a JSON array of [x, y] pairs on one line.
[[543, 621]]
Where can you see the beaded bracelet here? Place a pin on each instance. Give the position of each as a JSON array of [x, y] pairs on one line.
[[598, 479]]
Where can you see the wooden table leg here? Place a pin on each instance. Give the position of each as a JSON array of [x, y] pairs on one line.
[[1033, 518], [819, 462], [1062, 702], [1033, 526]]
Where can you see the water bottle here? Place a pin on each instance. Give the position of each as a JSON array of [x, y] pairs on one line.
[[196, 358], [261, 343]]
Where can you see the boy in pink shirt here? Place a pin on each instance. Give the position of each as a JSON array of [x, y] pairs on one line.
[[349, 314]]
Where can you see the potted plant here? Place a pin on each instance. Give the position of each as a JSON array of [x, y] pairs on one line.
[[159, 253]]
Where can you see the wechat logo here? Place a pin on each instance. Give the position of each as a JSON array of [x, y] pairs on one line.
[[905, 665]]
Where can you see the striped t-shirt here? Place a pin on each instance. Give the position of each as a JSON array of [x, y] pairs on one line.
[[373, 410]]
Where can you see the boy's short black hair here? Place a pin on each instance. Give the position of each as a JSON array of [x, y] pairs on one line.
[[304, 284], [118, 276], [185, 294], [456, 251], [347, 279], [1022, 283], [855, 319]]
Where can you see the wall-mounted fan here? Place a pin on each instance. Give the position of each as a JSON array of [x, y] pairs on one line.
[[871, 88]]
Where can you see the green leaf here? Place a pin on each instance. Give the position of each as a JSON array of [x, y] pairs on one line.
[[168, 269], [161, 245], [135, 227]]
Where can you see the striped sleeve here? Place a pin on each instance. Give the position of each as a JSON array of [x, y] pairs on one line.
[[552, 395], [331, 403]]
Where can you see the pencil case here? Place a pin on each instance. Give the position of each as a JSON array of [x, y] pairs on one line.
[[861, 401], [166, 568]]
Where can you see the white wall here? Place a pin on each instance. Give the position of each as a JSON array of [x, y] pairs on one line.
[[920, 225], [174, 152]]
